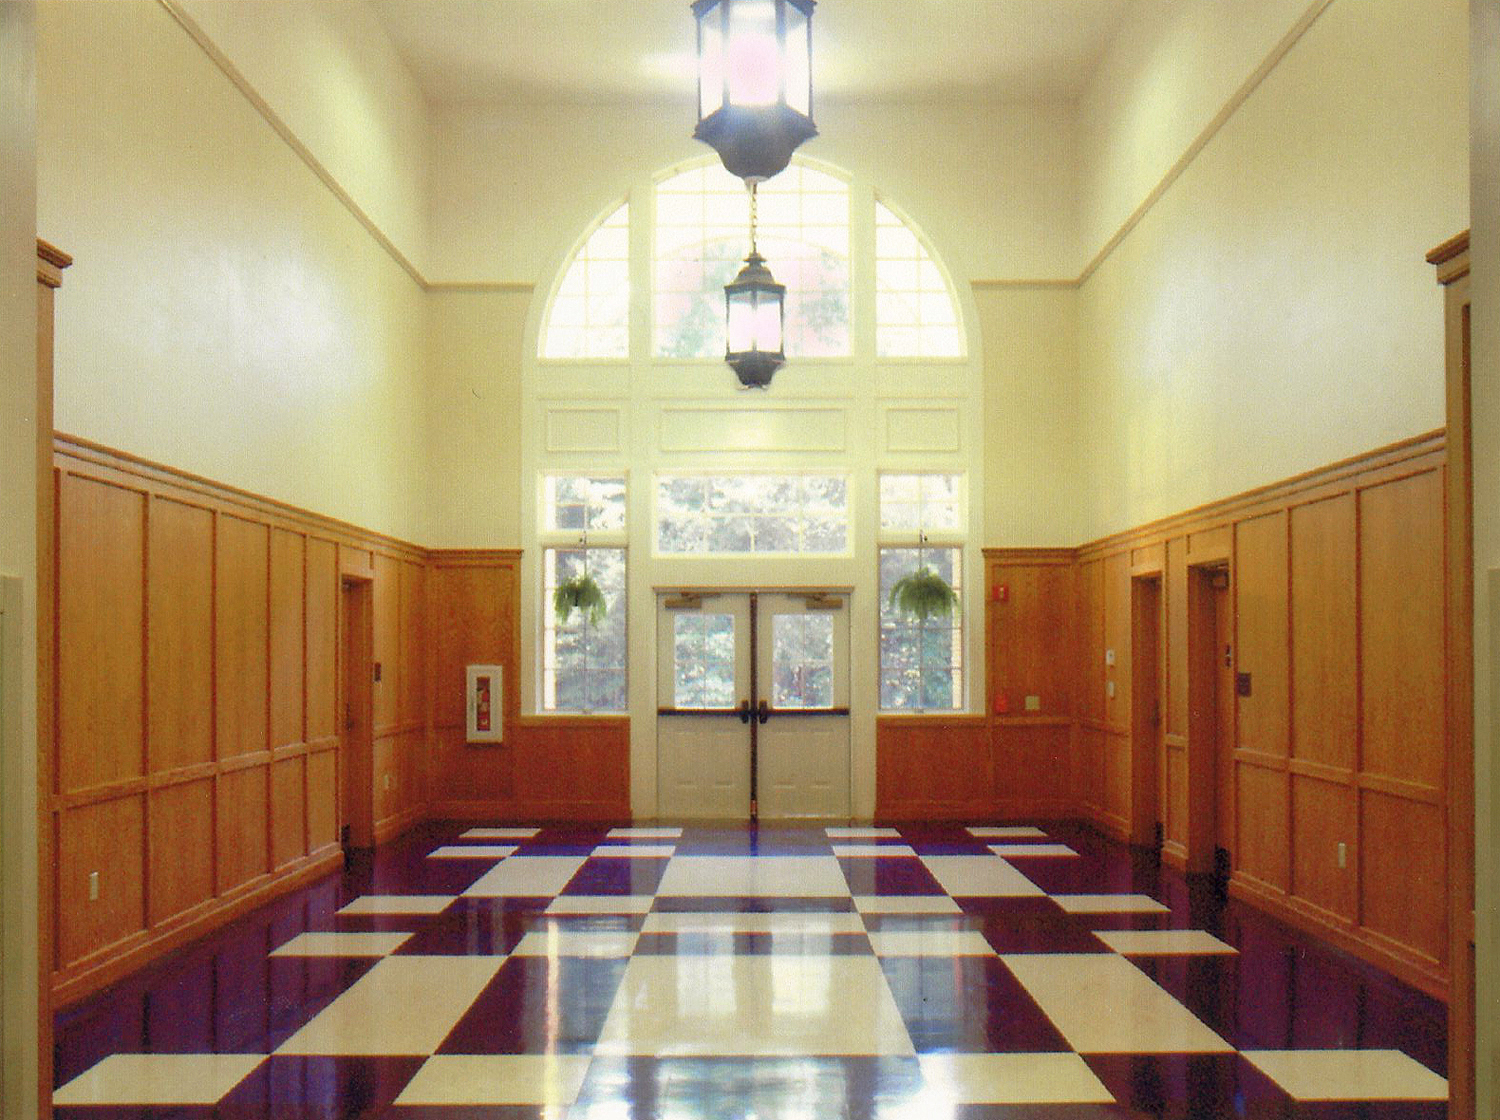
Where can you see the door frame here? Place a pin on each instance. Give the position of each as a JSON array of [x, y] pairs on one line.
[[356, 759], [1205, 831], [1147, 600]]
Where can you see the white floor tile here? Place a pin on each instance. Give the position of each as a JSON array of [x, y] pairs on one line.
[[872, 850], [636, 851], [645, 833], [1008, 832], [930, 943], [1103, 1004], [758, 876], [858, 833], [497, 1079], [753, 1006], [1009, 1079], [398, 904], [1032, 850], [1349, 1075], [340, 944], [404, 1005], [1162, 942], [158, 1079], [753, 923], [980, 876], [1110, 904], [601, 904], [905, 904], [526, 877], [500, 834], [473, 851], [555, 941]]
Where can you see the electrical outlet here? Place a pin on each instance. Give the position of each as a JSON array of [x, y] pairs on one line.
[[1109, 689], [1109, 657], [1033, 703], [93, 886], [1343, 854]]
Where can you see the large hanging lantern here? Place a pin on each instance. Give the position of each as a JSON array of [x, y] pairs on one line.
[[755, 318], [754, 82]]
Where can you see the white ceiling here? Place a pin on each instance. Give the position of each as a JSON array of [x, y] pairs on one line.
[[484, 50]]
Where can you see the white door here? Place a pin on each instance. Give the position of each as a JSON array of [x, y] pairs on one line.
[[753, 705], [703, 706], [802, 707]]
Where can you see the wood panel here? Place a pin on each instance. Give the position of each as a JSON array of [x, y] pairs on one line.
[[180, 586], [1402, 871], [1116, 580], [1401, 629], [288, 811], [1091, 627], [1261, 844], [1323, 816], [1324, 696], [1175, 701], [182, 853], [411, 703], [1030, 638], [107, 838], [242, 820], [286, 636], [322, 606], [387, 628], [322, 799], [910, 781], [1260, 606], [241, 609], [1032, 766], [101, 618]]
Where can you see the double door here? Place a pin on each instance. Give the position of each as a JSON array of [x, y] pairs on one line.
[[753, 705]]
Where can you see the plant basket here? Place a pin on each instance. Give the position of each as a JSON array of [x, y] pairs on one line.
[[581, 593], [924, 594]]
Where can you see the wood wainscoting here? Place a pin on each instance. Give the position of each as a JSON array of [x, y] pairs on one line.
[[553, 767], [1299, 730], [194, 768]]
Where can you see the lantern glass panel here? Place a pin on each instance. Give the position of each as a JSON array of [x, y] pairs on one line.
[[798, 61], [710, 61], [754, 54], [741, 321], [768, 323]]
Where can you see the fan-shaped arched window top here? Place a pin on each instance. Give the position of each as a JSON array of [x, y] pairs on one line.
[[807, 224], [590, 315], [916, 315]]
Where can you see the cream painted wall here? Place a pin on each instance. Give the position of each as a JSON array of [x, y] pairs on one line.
[[1273, 312], [227, 314], [18, 779], [1031, 416], [514, 186], [331, 73], [475, 422], [1484, 247], [1168, 73]]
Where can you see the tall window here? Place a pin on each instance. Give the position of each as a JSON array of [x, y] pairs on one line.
[[590, 315], [582, 533], [922, 524], [703, 235]]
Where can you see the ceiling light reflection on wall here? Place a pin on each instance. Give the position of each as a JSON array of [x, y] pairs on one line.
[[754, 82]]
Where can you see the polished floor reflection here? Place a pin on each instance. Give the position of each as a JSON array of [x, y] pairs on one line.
[[1016, 971]]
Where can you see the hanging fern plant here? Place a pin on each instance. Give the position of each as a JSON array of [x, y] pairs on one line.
[[924, 594], [581, 593]]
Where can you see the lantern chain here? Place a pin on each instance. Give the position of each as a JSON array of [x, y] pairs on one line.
[[753, 211]]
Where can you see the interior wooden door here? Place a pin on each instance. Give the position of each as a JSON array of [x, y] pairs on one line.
[[356, 748]]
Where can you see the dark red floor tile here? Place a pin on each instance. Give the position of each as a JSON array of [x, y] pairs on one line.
[[617, 875], [538, 1005], [872, 875], [967, 1005], [715, 904], [751, 944], [315, 1088]]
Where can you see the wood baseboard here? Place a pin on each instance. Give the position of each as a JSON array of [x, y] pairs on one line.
[[529, 812]]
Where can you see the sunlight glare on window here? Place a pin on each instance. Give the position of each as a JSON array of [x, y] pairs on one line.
[[916, 315], [590, 315]]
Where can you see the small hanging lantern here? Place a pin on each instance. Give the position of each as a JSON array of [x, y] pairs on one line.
[[755, 311], [754, 82]]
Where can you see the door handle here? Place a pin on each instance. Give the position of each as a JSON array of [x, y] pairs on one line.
[[744, 711], [765, 711]]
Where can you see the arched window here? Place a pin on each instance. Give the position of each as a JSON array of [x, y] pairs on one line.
[[701, 236], [590, 314]]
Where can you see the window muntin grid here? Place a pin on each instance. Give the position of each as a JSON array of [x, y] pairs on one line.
[[916, 314], [590, 314]]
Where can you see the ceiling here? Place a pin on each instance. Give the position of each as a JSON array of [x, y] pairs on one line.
[[489, 50]]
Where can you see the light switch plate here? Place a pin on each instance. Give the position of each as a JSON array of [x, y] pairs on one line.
[[1109, 689], [1109, 657]]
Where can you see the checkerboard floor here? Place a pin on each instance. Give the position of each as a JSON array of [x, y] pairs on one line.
[[939, 972]]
